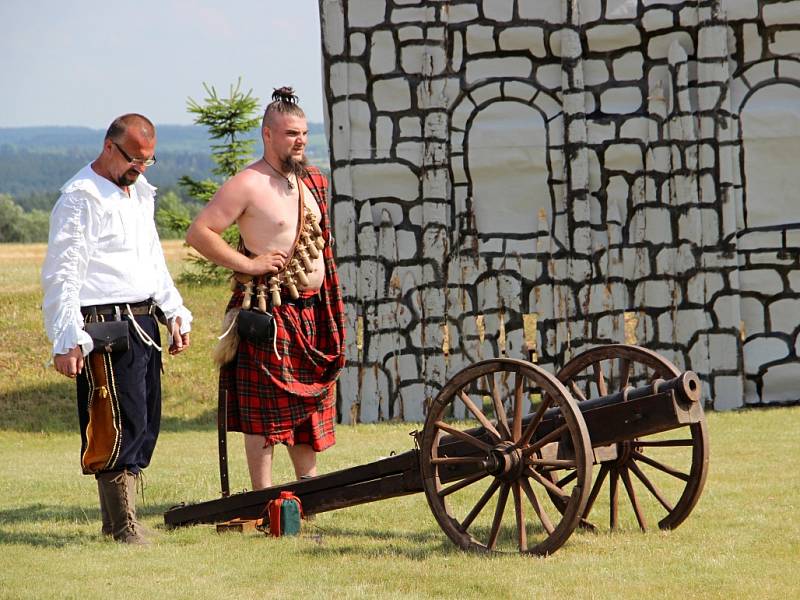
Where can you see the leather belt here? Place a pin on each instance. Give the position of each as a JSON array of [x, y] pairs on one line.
[[302, 302], [146, 307]]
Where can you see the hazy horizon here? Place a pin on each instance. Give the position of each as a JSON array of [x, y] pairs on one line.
[[74, 64]]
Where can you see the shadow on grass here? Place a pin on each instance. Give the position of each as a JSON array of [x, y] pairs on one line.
[[51, 407], [51, 515]]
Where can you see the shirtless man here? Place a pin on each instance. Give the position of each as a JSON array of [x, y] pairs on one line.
[[281, 390]]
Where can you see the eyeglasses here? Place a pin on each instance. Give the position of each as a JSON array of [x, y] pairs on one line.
[[142, 162]]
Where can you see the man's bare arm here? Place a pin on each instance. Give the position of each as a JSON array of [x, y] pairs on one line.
[[222, 211]]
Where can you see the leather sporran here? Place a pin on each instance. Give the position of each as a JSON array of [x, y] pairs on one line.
[[108, 336], [255, 326]]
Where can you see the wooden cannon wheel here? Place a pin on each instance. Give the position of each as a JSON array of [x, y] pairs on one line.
[[477, 447], [669, 469]]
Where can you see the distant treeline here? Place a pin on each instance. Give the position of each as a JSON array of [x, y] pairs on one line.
[[36, 161]]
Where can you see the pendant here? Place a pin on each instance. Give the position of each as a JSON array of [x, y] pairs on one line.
[[289, 184]]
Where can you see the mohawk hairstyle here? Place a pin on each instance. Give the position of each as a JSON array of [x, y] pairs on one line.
[[284, 101]]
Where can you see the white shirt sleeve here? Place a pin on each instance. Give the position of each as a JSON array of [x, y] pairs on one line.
[[64, 271]]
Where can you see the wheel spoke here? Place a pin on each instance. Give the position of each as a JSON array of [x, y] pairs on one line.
[[537, 507], [570, 477], [487, 425], [553, 463], [464, 436], [545, 482], [498, 516], [578, 392], [598, 484], [461, 484], [600, 379], [613, 498], [499, 409], [624, 373], [534, 422], [650, 486], [661, 467], [519, 513], [476, 510], [637, 510], [550, 437], [516, 429]]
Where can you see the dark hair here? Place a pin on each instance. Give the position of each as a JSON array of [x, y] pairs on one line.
[[285, 102], [120, 125]]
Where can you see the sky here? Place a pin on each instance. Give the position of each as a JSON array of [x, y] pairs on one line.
[[84, 62]]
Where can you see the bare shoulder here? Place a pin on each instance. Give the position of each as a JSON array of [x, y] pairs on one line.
[[241, 186]]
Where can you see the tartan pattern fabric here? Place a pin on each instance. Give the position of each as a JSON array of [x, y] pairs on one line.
[[290, 396]]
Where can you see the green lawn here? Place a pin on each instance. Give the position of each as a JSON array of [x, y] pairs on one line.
[[741, 541]]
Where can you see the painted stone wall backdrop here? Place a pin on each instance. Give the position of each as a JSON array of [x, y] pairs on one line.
[[529, 178]]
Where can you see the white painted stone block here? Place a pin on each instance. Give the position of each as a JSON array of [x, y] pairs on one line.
[[621, 100], [426, 58], [358, 44], [365, 13], [523, 38], [690, 16], [722, 350], [480, 39], [460, 13], [418, 14], [764, 281], [761, 350], [485, 68], [728, 392], [624, 157], [785, 314], [599, 132], [605, 38], [410, 127], [786, 43], [410, 32], [439, 93], [629, 67], [549, 11], [658, 18], [752, 311], [548, 76], [332, 25], [383, 57], [382, 180], [595, 72], [391, 94], [657, 293], [658, 46], [780, 383], [751, 40], [740, 10], [783, 13]]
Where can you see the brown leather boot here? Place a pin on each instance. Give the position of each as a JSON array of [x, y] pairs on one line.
[[104, 516], [119, 489]]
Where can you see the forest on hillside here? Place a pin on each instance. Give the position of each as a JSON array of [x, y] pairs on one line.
[[36, 161]]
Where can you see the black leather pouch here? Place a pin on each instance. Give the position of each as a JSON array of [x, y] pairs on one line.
[[254, 326], [108, 336]]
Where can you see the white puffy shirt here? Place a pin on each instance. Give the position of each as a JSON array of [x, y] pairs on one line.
[[103, 249]]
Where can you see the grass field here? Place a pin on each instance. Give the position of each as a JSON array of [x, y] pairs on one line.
[[741, 541]]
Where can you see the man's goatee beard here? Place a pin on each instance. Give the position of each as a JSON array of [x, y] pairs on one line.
[[294, 166]]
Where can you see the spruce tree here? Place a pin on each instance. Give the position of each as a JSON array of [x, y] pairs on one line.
[[228, 121]]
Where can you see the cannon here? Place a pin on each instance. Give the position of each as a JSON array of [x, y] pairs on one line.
[[505, 428]]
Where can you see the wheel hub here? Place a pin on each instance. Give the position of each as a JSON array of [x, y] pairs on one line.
[[505, 461]]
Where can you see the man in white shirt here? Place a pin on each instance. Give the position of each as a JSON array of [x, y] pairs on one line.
[[105, 273]]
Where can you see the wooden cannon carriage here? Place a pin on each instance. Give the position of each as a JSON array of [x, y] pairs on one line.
[[506, 427]]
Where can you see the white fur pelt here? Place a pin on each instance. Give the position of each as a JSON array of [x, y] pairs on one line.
[[226, 348]]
